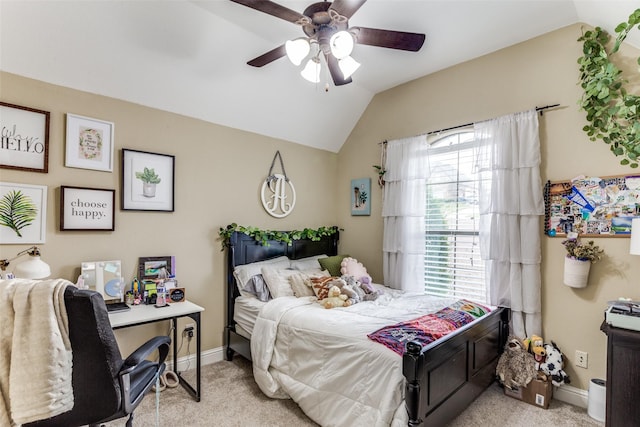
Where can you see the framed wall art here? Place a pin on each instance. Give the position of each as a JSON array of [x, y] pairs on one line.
[[25, 138], [89, 143], [23, 213], [360, 196], [149, 267], [148, 181], [592, 206], [87, 209]]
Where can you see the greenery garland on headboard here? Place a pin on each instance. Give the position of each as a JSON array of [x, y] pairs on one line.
[[263, 236], [613, 114]]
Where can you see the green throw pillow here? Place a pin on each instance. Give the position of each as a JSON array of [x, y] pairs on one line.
[[332, 264]]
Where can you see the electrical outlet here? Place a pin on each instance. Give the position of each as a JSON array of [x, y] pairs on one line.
[[582, 359], [190, 326]]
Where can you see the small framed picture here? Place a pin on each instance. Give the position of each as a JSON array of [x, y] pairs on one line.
[[23, 213], [361, 196], [149, 268], [25, 138], [148, 181], [89, 209], [89, 143]]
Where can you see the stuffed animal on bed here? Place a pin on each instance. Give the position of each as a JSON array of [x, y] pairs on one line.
[[516, 367], [334, 299], [351, 267], [364, 291], [553, 364]]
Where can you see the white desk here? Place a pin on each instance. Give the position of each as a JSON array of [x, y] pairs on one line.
[[143, 314]]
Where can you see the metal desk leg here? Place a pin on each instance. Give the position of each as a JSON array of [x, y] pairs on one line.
[[194, 392]]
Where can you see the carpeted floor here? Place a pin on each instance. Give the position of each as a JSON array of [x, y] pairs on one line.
[[230, 397]]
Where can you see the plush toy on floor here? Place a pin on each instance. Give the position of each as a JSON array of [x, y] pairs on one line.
[[334, 299], [516, 367], [535, 346], [553, 364]]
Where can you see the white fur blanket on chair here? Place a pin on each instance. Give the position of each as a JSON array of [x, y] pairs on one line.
[[35, 351]]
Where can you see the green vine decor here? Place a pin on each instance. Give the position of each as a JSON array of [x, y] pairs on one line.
[[17, 211], [612, 113], [263, 236]]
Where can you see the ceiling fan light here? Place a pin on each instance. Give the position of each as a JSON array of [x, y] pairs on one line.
[[297, 50], [341, 44], [311, 71], [348, 66]]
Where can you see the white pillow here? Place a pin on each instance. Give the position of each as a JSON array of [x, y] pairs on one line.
[[277, 281], [308, 263], [242, 273]]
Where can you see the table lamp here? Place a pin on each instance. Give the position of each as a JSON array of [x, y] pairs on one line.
[[634, 246], [33, 268]]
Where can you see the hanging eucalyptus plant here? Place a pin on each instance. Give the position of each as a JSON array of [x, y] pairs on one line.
[[263, 236], [612, 113]]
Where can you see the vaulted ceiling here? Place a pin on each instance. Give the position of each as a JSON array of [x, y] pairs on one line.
[[189, 57]]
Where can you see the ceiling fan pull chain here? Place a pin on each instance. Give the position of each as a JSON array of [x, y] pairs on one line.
[[271, 176]]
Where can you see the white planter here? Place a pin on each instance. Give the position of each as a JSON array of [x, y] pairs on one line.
[[576, 272]]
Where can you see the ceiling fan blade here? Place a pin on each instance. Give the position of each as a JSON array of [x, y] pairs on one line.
[[273, 9], [347, 8], [334, 70], [388, 38], [268, 57]]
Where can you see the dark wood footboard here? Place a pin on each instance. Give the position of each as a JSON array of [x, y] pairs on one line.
[[442, 380]]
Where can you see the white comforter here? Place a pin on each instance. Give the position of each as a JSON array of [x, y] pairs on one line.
[[324, 361]]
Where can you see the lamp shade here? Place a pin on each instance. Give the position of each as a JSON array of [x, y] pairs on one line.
[[297, 50], [311, 71], [341, 44], [348, 66], [32, 268], [634, 246]]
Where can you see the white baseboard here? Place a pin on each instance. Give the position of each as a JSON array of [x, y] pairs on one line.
[[207, 357], [572, 395], [565, 393]]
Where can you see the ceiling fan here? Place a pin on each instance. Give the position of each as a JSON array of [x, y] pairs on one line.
[[326, 25]]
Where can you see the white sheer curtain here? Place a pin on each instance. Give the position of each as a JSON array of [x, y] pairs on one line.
[[511, 203], [403, 211]]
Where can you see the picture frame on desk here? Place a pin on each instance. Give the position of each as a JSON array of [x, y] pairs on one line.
[[149, 267]]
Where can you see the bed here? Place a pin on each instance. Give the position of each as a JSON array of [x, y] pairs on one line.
[[334, 372]]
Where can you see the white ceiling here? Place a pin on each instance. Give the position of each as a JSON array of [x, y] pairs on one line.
[[189, 57]]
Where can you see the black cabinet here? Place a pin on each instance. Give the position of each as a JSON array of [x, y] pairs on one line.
[[623, 376]]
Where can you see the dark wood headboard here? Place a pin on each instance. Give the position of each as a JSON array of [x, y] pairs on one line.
[[244, 249]]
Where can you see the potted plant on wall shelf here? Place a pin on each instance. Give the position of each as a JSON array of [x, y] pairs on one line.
[[577, 263]]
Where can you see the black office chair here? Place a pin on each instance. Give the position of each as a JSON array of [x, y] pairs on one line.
[[105, 387]]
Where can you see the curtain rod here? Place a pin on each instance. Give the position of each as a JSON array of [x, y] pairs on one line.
[[538, 109]]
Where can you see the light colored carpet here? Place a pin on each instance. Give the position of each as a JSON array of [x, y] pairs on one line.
[[230, 398]]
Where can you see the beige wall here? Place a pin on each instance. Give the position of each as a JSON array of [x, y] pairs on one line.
[[212, 191], [538, 72], [219, 172]]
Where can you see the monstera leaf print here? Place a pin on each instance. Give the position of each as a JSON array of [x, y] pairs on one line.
[[17, 211]]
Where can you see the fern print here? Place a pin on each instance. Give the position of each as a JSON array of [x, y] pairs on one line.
[[17, 211]]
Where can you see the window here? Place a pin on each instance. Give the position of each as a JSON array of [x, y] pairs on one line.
[[453, 266]]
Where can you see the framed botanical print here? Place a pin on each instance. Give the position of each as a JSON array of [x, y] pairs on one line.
[[148, 181], [23, 213], [361, 196], [89, 143]]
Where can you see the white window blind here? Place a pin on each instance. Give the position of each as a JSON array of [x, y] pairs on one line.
[[453, 266]]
